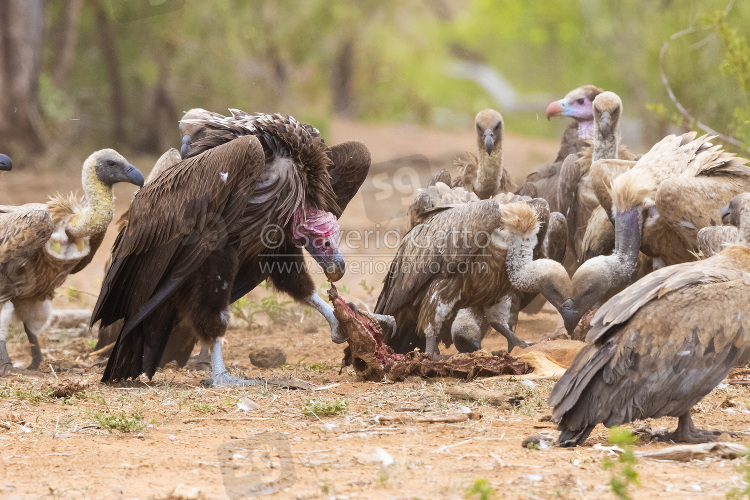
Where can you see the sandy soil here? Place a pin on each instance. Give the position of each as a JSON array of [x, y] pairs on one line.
[[170, 437]]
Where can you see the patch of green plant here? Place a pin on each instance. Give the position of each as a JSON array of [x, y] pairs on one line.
[[315, 407], [246, 309], [384, 475], [367, 288], [28, 394], [91, 344], [96, 397], [120, 422], [481, 489], [744, 469], [320, 367], [74, 295], [624, 475], [205, 408]]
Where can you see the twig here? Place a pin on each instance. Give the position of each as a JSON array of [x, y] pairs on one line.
[[408, 419], [53, 371], [225, 419], [99, 351]]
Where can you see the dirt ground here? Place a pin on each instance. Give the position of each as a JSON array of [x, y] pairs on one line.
[[65, 435]]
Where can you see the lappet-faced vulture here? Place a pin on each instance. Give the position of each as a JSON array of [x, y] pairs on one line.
[[5, 163], [252, 193], [484, 173], [659, 346], [470, 255], [42, 243], [577, 105], [576, 196], [658, 206]]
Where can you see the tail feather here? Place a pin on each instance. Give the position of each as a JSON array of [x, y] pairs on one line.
[[574, 437]]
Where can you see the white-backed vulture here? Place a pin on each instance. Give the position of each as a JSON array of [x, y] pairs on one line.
[[5, 163], [658, 206], [41, 243], [658, 347], [191, 131], [713, 239], [471, 255], [484, 173], [577, 105], [252, 192], [576, 197]]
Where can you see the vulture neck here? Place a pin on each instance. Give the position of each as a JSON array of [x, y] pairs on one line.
[[99, 209], [605, 145], [524, 272], [624, 260], [586, 130], [490, 173]]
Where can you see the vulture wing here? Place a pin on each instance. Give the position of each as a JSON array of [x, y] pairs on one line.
[[176, 221], [23, 231], [599, 238], [603, 172], [351, 163]]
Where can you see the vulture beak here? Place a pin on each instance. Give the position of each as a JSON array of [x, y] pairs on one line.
[[135, 175], [330, 260], [725, 213], [605, 123], [185, 148], [5, 163], [556, 108], [489, 141], [570, 315]]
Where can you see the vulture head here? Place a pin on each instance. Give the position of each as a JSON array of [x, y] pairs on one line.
[[576, 104], [737, 214], [111, 167], [489, 124], [318, 231], [5, 163], [607, 108], [190, 131]]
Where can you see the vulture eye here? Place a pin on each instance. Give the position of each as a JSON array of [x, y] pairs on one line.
[[581, 100], [327, 243], [111, 163]]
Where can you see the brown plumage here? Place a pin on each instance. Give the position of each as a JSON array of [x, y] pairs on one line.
[[659, 205], [211, 227], [470, 255], [713, 239], [42, 243], [483, 173], [658, 348], [577, 105]]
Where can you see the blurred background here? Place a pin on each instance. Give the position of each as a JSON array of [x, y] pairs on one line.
[[79, 75]]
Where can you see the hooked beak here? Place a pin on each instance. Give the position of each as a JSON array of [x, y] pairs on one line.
[[185, 148], [135, 175], [725, 213], [329, 259], [605, 124], [555, 108], [489, 141], [5, 163], [570, 315]]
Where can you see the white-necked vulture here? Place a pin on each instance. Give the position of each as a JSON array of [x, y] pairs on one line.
[[658, 347], [577, 105], [42, 243], [253, 191], [470, 255], [484, 173], [713, 239], [658, 206]]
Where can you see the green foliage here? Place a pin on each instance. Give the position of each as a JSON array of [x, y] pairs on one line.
[[625, 475], [27, 394], [246, 309], [120, 422], [481, 489], [744, 469], [314, 407], [367, 288]]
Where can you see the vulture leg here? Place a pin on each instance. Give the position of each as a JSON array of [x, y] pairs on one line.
[[219, 374], [6, 314], [202, 362], [686, 432], [34, 316], [499, 315], [326, 310]]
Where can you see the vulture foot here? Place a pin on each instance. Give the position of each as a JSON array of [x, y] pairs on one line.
[[326, 310], [36, 351], [687, 432], [201, 362], [225, 379], [6, 365], [510, 336]]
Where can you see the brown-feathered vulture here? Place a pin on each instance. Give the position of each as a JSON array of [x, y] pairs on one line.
[[470, 255], [576, 197], [191, 131], [253, 191], [577, 105], [658, 206], [41, 243], [484, 173], [713, 239], [5, 163], [659, 346]]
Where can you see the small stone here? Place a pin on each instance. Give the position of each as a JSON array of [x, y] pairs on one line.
[[183, 492], [267, 357]]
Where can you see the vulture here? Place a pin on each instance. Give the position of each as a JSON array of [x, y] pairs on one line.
[[484, 174], [658, 347], [469, 255], [576, 197], [577, 105], [252, 192], [713, 239], [658, 207], [5, 163], [191, 130], [41, 243]]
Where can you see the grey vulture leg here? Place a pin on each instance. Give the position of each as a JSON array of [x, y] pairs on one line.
[[202, 362], [686, 432], [219, 374], [34, 316], [6, 314], [36, 350], [326, 310], [498, 316]]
